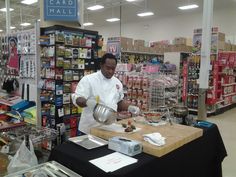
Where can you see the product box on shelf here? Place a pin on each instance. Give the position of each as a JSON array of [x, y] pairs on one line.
[[130, 47], [180, 40], [221, 36], [216, 37], [228, 100], [138, 42], [221, 45], [123, 42], [228, 47], [234, 99]]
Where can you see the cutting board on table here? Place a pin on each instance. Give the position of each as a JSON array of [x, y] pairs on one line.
[[176, 136]]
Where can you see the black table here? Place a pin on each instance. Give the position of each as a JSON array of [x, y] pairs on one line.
[[199, 158]]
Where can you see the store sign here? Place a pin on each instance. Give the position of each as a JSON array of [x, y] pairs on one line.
[[61, 10], [114, 48]]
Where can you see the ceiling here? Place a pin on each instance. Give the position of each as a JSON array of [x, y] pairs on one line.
[[161, 8]]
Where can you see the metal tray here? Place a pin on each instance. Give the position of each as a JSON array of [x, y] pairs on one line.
[[51, 169], [88, 141]]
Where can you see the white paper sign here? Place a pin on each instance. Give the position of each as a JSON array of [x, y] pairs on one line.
[[112, 162]]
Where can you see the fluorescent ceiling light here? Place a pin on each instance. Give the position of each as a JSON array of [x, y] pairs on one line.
[[143, 14], [39, 20], [12, 27], [192, 6], [28, 2], [113, 19], [1, 30], [25, 24], [131, 0], [95, 7], [88, 24], [4, 9]]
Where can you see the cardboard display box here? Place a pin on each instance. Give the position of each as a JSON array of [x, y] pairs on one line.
[[138, 43], [180, 41]]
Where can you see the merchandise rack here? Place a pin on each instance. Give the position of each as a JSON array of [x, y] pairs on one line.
[[221, 93], [67, 54], [35, 134]]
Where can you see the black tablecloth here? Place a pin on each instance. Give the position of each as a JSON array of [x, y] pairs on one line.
[[199, 158]]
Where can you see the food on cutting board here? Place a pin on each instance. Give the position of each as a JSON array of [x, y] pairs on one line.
[[124, 125], [129, 127]]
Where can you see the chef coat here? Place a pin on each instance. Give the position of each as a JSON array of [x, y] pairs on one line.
[[110, 92]]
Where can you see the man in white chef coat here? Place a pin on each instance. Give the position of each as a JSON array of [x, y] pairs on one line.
[[104, 85]]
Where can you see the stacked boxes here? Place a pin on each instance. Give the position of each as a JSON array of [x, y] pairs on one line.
[[126, 43], [180, 41]]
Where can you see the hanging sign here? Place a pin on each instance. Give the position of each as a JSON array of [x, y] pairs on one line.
[[114, 48], [61, 10]]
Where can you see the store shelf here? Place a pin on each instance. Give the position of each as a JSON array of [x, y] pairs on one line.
[[76, 46], [230, 94], [191, 109], [223, 106], [224, 85], [192, 94], [137, 52], [219, 101], [195, 110]]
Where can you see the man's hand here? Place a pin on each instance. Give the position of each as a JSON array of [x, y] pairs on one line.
[[134, 110]]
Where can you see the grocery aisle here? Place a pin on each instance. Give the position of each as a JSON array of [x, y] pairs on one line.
[[227, 125]]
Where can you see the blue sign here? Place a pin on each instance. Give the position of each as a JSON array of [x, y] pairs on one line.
[[61, 10]]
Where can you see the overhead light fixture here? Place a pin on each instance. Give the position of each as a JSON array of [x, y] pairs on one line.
[[12, 27], [192, 6], [112, 19], [131, 0], [28, 2], [4, 9], [88, 24], [25, 24], [38, 20], [95, 7], [1, 30], [144, 14]]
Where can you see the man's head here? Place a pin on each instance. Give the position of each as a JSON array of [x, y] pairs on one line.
[[108, 65]]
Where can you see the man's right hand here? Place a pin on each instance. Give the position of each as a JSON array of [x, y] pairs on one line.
[[91, 103]]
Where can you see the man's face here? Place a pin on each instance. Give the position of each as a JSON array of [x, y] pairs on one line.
[[108, 68]]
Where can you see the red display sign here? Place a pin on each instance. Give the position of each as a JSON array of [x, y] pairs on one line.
[[215, 81]]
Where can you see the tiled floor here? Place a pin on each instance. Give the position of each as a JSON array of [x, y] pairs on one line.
[[226, 123]]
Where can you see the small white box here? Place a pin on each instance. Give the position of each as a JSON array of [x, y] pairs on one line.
[[125, 146]]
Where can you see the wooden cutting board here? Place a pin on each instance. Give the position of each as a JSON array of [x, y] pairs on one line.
[[176, 136]]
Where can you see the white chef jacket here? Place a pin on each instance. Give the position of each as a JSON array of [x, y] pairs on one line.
[[110, 92]]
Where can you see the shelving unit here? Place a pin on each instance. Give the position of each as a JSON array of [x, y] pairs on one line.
[[180, 59], [67, 54], [222, 83]]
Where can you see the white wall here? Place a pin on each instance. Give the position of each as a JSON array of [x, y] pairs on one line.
[[171, 27]]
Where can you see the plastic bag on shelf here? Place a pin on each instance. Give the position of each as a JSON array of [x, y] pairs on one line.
[[23, 159]]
